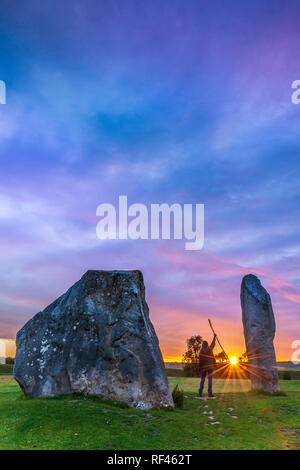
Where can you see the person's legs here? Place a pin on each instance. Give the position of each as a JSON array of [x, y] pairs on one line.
[[210, 373], [202, 382]]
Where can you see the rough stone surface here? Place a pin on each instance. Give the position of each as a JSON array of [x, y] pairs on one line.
[[259, 331], [95, 339]]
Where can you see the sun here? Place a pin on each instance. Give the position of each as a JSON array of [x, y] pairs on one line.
[[233, 360]]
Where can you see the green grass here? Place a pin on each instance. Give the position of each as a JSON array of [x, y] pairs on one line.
[[75, 422]]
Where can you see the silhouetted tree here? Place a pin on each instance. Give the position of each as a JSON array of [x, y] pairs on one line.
[[221, 357], [190, 357], [243, 357]]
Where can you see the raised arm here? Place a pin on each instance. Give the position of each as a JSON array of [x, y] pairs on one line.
[[213, 342]]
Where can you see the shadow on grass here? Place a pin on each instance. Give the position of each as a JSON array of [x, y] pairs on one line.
[[92, 398], [267, 394], [77, 396]]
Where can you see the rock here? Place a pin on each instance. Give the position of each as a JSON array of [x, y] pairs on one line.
[[259, 332], [96, 339]]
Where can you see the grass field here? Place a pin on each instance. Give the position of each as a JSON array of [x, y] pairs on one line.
[[246, 421]]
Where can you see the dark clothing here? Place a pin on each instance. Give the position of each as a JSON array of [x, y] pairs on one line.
[[209, 372], [206, 366], [206, 357]]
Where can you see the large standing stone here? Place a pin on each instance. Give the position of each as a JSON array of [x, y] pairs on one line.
[[96, 339], [259, 331]]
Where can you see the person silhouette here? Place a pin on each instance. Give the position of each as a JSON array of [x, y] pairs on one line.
[[207, 363]]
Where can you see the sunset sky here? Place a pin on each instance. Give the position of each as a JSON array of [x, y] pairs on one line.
[[162, 101]]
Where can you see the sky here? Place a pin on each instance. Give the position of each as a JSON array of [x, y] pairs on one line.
[[165, 102]]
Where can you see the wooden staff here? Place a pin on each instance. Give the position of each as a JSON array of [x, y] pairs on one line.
[[210, 324]]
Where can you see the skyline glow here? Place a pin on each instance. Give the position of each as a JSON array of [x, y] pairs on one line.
[[163, 102]]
